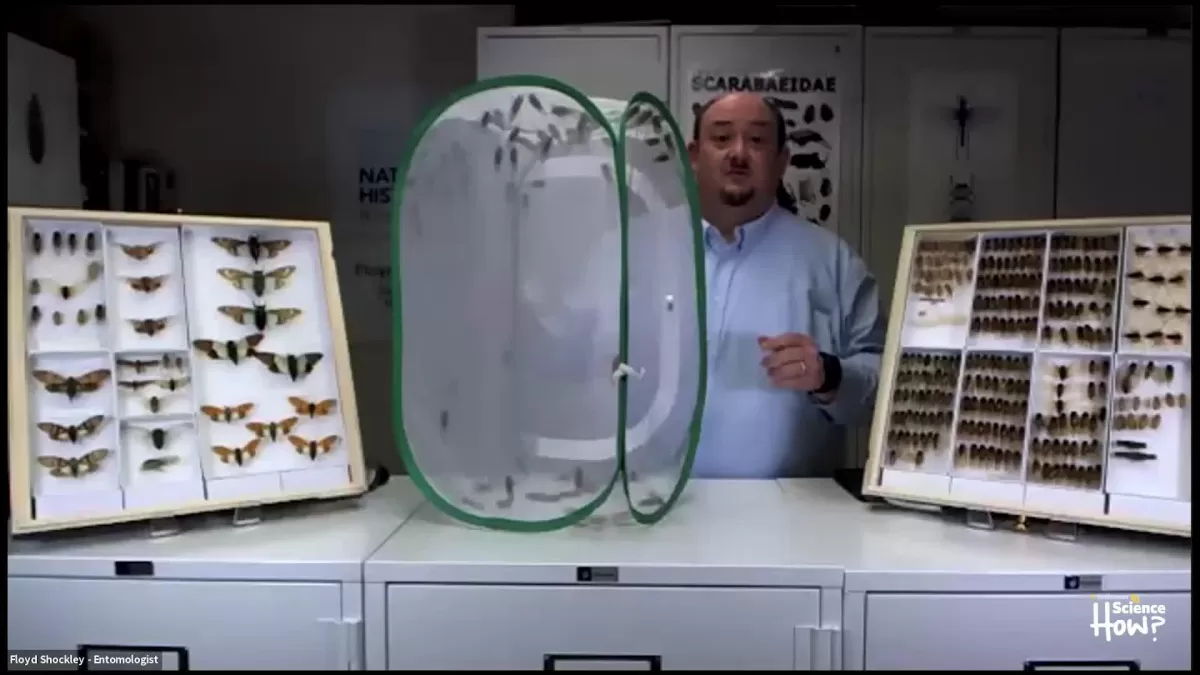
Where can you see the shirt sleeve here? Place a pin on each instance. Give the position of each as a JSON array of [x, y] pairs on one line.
[[860, 346]]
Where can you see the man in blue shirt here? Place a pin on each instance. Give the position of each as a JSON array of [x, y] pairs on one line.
[[794, 333]]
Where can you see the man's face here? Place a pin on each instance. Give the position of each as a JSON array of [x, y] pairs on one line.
[[737, 157]]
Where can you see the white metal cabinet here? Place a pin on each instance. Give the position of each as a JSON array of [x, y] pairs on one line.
[[923, 591], [1125, 124], [719, 583], [531, 627], [206, 625], [1009, 632], [42, 100], [604, 61], [285, 593]]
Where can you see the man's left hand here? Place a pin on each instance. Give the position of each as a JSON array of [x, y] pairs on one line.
[[793, 361]]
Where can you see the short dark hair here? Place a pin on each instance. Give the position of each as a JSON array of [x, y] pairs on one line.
[[776, 117]]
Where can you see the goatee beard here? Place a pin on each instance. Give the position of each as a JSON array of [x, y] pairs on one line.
[[736, 198]]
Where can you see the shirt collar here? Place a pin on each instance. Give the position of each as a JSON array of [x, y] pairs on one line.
[[744, 237]]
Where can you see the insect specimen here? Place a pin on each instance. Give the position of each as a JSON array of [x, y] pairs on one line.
[[258, 281], [1134, 455], [82, 317], [68, 291], [37, 243], [313, 449], [150, 327], [234, 351], [101, 313], [56, 240], [311, 409], [158, 436], [57, 318], [140, 251], [256, 248], [258, 315], [146, 284], [72, 433], [169, 384], [35, 314], [72, 243], [35, 287], [138, 366], [239, 456], [273, 430], [74, 467], [72, 387], [509, 493], [295, 366], [1130, 445], [159, 463], [227, 413], [89, 243]]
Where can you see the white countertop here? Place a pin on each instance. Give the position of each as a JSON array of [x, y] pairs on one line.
[[729, 532], [887, 548], [316, 541]]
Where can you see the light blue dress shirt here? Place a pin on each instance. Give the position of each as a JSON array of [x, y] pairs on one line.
[[783, 274]]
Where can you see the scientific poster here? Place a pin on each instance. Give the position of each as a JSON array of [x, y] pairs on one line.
[[811, 107], [369, 131], [365, 280], [962, 146]]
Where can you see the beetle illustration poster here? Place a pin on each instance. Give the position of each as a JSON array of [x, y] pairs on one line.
[[811, 107], [962, 141]]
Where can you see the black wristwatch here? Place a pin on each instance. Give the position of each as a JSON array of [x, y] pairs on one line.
[[832, 366]]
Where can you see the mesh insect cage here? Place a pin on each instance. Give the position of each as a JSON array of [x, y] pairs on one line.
[[549, 338]]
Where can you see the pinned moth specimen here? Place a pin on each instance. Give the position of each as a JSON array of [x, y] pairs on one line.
[[101, 313], [159, 463], [234, 351], [140, 252], [57, 318], [168, 384], [154, 402], [227, 414], [157, 436], [150, 327], [56, 241], [259, 316], [310, 409], [313, 449], [74, 467], [72, 433], [35, 314], [72, 243], [89, 243], [239, 456], [273, 430], [82, 317], [295, 366], [146, 284], [37, 243], [258, 282], [256, 248], [70, 386], [138, 366], [68, 291]]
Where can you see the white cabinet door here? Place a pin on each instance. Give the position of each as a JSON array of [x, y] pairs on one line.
[[602, 61], [214, 625], [1014, 632], [1125, 124], [43, 127], [591, 628]]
